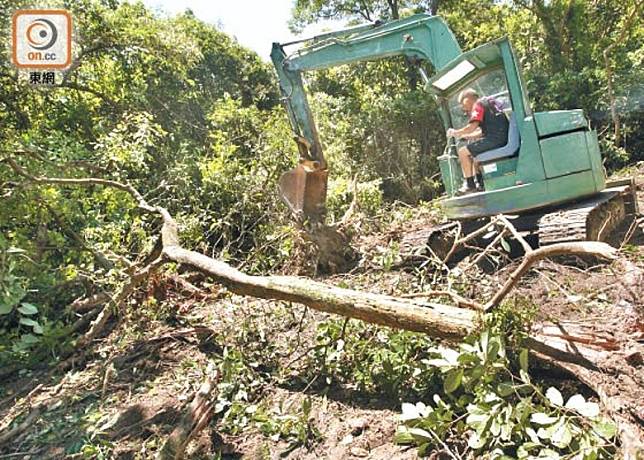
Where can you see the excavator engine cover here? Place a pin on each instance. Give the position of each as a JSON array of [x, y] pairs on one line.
[[303, 189]]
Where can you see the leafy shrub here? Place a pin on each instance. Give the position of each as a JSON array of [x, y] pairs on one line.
[[341, 194], [504, 415], [375, 360]]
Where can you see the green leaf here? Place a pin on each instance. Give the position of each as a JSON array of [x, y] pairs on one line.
[[524, 450], [578, 403], [591, 410], [475, 441], [387, 367], [420, 435], [590, 454], [409, 412], [306, 406], [524, 376], [505, 389], [468, 348], [523, 360], [489, 235], [505, 245], [549, 454], [5, 308], [531, 445], [495, 428], [476, 420], [453, 380], [544, 433], [506, 430], [423, 449], [28, 321], [29, 339], [605, 428], [533, 436], [27, 309], [403, 436], [562, 436], [554, 396], [575, 402], [541, 418], [468, 358], [483, 340], [493, 348]]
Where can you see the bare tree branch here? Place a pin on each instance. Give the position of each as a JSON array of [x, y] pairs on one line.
[[194, 420], [142, 204], [517, 236], [593, 248]]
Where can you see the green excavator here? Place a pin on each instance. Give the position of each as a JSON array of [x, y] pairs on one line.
[[549, 172]]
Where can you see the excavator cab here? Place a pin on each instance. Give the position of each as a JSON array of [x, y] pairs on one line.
[[491, 86], [549, 157], [484, 70]]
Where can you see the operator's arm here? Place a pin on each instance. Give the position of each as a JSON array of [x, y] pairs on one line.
[[476, 134], [472, 130], [469, 131]]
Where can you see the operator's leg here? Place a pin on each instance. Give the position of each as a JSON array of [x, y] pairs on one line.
[[467, 162], [479, 176], [467, 165], [471, 166]]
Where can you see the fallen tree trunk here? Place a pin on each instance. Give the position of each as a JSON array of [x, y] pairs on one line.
[[437, 320]]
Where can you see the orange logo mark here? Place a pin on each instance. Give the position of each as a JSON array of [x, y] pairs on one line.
[[42, 39]]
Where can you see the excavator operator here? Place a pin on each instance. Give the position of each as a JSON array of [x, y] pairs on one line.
[[486, 129]]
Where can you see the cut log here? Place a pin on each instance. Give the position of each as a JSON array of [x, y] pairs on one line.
[[443, 321]]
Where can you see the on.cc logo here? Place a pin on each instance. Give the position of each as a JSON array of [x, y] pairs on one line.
[[42, 39]]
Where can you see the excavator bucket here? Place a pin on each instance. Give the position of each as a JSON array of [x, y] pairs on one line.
[[303, 189]]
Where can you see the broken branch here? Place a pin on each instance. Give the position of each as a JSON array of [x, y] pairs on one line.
[[194, 420], [593, 248]]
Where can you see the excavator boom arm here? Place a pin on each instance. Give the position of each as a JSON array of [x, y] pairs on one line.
[[421, 36]]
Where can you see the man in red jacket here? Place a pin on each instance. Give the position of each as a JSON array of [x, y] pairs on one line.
[[486, 129]]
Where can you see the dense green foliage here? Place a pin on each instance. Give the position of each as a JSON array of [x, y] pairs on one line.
[[192, 119], [504, 414], [173, 106]]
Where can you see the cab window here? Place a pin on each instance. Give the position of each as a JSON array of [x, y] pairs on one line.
[[491, 85]]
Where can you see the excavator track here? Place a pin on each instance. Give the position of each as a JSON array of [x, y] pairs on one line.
[[592, 219]]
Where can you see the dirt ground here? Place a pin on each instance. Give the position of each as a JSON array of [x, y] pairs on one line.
[[122, 398]]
